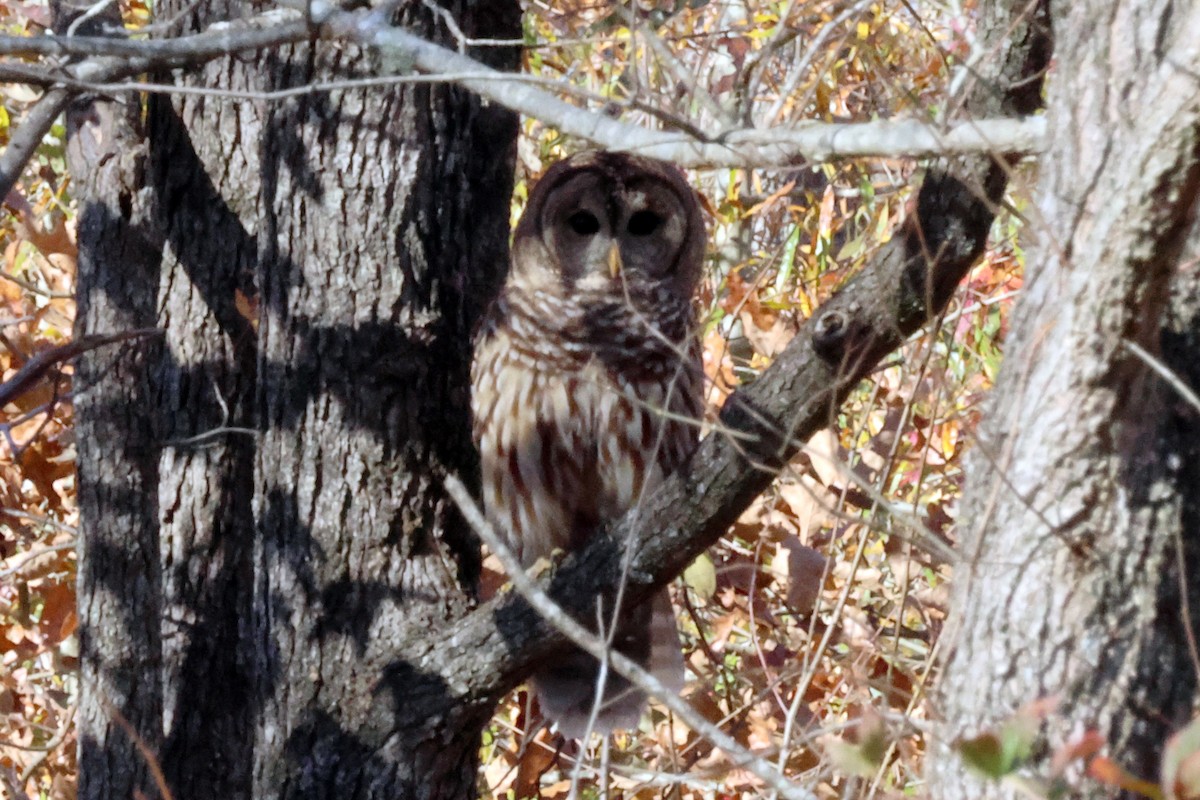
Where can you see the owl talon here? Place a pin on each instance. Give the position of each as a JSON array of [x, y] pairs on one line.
[[543, 566]]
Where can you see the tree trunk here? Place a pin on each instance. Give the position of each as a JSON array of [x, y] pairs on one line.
[[120, 575], [265, 541], [1082, 506]]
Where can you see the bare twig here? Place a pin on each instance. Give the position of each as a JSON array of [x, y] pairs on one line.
[[1164, 372], [596, 646], [28, 136], [59, 737], [375, 82], [156, 772], [678, 72], [96, 10], [800, 70], [35, 555], [40, 520], [35, 289]]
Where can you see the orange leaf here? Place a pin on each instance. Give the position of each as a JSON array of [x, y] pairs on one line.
[[1108, 772], [771, 199]]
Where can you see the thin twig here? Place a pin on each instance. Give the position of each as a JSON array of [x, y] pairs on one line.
[[52, 745], [156, 772], [1164, 372], [96, 10], [31, 557], [33, 288], [797, 71], [595, 646], [677, 70], [40, 520]]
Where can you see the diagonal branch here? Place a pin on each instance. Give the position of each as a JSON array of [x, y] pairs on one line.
[[28, 136]]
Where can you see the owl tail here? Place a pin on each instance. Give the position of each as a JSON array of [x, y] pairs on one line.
[[648, 635]]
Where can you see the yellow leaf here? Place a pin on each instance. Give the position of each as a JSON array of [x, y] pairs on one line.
[[701, 577]]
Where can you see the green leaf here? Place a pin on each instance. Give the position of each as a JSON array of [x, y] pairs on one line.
[[985, 754], [999, 753]]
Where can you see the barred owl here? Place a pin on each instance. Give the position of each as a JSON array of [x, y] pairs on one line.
[[587, 389]]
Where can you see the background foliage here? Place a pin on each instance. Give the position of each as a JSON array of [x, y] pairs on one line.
[[811, 631]]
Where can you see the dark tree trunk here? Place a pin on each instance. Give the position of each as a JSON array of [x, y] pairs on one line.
[[120, 575], [1082, 505], [265, 539]]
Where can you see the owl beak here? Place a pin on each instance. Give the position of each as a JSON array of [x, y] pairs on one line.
[[614, 261]]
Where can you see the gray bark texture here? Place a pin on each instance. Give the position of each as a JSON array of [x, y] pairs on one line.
[[265, 540], [1079, 531]]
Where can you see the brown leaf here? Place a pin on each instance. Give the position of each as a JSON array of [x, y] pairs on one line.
[[247, 307], [538, 757], [769, 333], [58, 613], [718, 369], [826, 456], [43, 473], [804, 499], [491, 578]]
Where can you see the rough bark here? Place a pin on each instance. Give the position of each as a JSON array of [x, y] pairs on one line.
[[120, 576], [365, 347], [1082, 506], [264, 532]]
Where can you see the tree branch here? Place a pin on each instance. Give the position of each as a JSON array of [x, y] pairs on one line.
[[738, 148], [28, 136], [269, 29], [109, 59], [36, 367]]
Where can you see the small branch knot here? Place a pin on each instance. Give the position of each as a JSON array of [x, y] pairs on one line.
[[836, 332]]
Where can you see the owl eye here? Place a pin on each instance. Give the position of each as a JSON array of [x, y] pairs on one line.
[[584, 223], [644, 223]]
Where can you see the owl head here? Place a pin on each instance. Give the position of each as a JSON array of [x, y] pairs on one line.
[[611, 222]]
